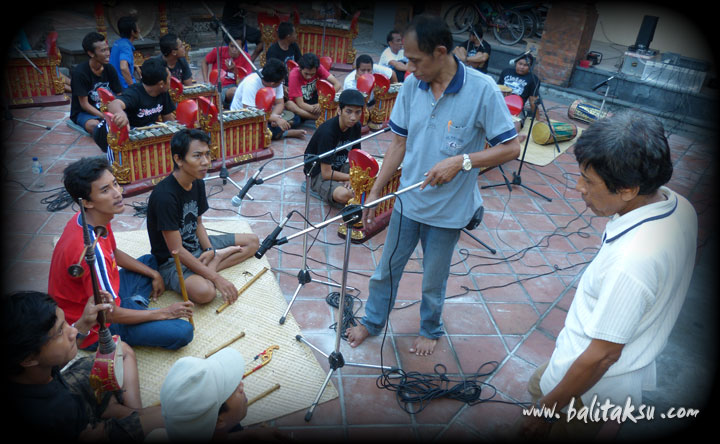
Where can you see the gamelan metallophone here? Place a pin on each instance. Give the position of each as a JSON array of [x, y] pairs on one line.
[[142, 156], [35, 80], [179, 92], [328, 38], [329, 103]]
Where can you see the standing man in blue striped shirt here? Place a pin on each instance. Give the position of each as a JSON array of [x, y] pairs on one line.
[[442, 118]]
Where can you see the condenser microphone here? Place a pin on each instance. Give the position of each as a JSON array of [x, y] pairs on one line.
[[270, 241], [237, 200]]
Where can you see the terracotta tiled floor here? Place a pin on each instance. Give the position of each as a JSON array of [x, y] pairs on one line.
[[507, 307]]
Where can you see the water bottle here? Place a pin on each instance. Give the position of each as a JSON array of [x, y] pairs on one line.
[[38, 171]]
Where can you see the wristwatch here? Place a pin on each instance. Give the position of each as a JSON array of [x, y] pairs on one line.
[[466, 165]]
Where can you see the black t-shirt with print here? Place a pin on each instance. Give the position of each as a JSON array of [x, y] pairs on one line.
[[172, 208], [181, 70], [141, 108], [85, 83], [524, 86], [328, 137]]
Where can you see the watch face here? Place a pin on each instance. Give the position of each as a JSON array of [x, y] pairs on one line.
[[467, 164]]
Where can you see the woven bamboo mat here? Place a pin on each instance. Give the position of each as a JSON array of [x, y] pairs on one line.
[[542, 155], [256, 312]]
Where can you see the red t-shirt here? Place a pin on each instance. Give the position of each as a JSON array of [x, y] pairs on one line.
[[240, 62], [307, 89], [72, 293]]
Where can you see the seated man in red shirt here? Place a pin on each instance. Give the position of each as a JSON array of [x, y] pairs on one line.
[[91, 180], [231, 58], [302, 87]]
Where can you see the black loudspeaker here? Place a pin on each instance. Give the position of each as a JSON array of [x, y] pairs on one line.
[[647, 32]]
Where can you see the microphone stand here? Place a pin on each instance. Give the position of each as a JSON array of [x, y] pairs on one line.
[[517, 180], [223, 174], [304, 273], [350, 215]]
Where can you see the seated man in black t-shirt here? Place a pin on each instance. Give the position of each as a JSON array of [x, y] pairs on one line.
[[475, 51], [522, 82], [286, 48], [330, 178], [87, 77], [141, 104], [39, 400], [172, 50], [174, 223]]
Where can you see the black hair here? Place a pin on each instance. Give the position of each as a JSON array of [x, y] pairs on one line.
[[528, 58], [430, 31], [274, 71], [389, 37], [168, 44], [90, 39], [285, 29], [477, 30], [363, 58], [180, 142], [27, 319], [126, 25], [309, 61], [79, 176], [154, 70], [627, 150]]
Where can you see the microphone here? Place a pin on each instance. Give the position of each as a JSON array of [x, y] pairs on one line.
[[604, 82], [237, 200], [513, 61], [269, 241]]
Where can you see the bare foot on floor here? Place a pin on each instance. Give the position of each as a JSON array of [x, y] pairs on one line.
[[298, 134], [356, 335], [423, 346]]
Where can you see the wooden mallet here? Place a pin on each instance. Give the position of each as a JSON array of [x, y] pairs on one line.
[[244, 287], [178, 266]]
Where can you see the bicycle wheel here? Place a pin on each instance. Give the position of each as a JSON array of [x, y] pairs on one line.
[[530, 22], [508, 27], [454, 17]]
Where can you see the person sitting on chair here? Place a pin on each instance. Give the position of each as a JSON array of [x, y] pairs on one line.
[[475, 51], [302, 87], [172, 50], [330, 178], [87, 77], [142, 103], [273, 74], [174, 223], [44, 402], [131, 282]]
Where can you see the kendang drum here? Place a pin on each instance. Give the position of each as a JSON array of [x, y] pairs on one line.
[[563, 132], [585, 112]]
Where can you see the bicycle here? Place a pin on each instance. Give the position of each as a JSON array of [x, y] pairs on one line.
[[507, 25]]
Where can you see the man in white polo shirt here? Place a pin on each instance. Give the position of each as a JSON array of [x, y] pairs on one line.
[[629, 298], [273, 75], [442, 117]]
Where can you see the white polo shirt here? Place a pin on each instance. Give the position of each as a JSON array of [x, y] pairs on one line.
[[631, 294]]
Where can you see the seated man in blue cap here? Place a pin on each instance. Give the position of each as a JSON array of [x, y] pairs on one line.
[[329, 175]]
